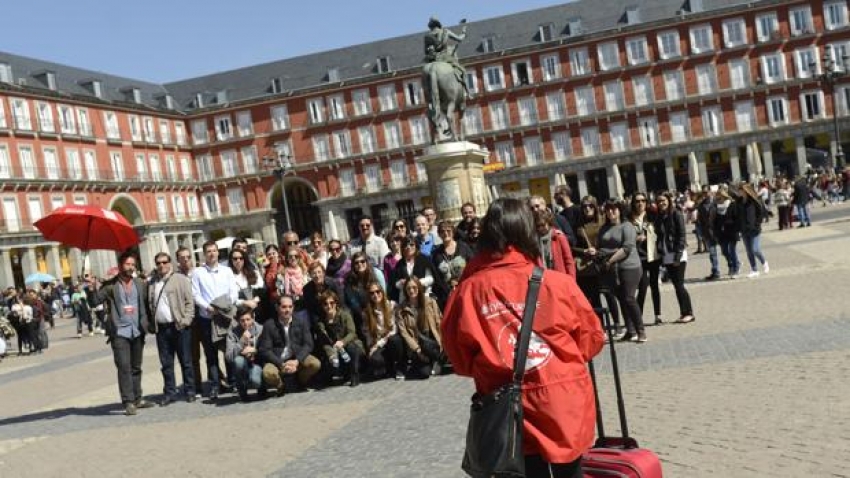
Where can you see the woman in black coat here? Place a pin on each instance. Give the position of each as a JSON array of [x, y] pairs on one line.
[[673, 249], [412, 263]]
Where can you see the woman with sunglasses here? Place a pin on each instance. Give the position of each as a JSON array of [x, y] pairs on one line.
[[384, 346], [337, 337], [319, 283], [399, 229], [294, 275], [412, 263], [449, 259], [271, 280], [318, 252], [672, 247], [418, 321], [355, 292], [338, 265], [644, 222], [248, 281], [473, 232]]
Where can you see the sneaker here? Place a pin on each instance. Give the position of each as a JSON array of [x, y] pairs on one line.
[[142, 403], [658, 320], [626, 337], [399, 376], [641, 338], [79, 335], [753, 275], [91, 334], [733, 275], [435, 368], [634, 338], [712, 277], [766, 268], [129, 409], [620, 335]]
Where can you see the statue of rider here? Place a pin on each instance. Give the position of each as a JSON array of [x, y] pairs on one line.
[[438, 48]]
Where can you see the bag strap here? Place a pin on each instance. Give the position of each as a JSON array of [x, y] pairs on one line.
[[521, 350]]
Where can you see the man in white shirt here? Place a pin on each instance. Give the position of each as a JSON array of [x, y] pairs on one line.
[[372, 244]]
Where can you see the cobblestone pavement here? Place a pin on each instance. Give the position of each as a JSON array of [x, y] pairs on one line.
[[756, 387]]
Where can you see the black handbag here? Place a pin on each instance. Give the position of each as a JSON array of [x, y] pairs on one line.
[[494, 433]]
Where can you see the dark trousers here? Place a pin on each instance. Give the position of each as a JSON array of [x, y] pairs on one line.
[[626, 287], [34, 327], [677, 277], [171, 342], [210, 353], [594, 289], [83, 317], [388, 358], [128, 362], [649, 279], [784, 213], [537, 467]]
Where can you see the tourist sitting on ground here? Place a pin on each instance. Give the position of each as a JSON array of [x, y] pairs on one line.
[[339, 264], [338, 340], [319, 282], [286, 347], [383, 343], [418, 320], [412, 264], [355, 296], [242, 353], [449, 259]]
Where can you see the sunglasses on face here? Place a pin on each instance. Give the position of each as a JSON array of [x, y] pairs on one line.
[[640, 200], [365, 226], [291, 243], [237, 258], [400, 226], [360, 261], [335, 249], [588, 206]]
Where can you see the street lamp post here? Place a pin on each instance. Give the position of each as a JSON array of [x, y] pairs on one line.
[[832, 72], [282, 165]]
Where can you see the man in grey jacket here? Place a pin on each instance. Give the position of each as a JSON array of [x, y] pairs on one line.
[[171, 303], [242, 353]]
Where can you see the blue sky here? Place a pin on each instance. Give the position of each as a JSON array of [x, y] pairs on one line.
[[161, 41]]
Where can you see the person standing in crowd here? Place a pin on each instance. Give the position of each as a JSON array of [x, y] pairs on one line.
[[384, 346], [241, 352], [400, 229], [727, 230], [21, 316], [173, 307], [411, 264], [373, 245], [431, 215], [79, 301], [449, 259], [286, 347], [569, 210], [706, 211], [472, 234], [319, 282], [337, 336], [554, 245], [318, 251], [354, 293], [800, 198], [392, 257], [185, 267], [558, 404], [782, 200], [418, 319], [537, 203], [248, 280], [339, 265], [294, 275], [673, 250], [127, 326], [425, 238], [468, 215], [290, 239], [650, 264], [272, 280], [752, 213], [209, 283]]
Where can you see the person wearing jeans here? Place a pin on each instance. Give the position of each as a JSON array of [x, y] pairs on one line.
[[801, 202], [242, 341], [726, 230], [672, 247], [752, 212]]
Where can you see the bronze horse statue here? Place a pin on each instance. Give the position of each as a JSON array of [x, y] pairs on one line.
[[446, 101]]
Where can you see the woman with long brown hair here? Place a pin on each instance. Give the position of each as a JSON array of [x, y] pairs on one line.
[[672, 247], [384, 347], [419, 325]]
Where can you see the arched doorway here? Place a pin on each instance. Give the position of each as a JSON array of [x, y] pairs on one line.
[[127, 207], [304, 216]]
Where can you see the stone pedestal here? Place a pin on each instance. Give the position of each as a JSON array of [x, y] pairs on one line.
[[456, 176]]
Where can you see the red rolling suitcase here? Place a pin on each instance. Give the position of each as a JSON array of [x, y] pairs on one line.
[[610, 456]]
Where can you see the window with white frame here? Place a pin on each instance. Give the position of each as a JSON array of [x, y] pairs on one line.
[[45, 117], [321, 147], [472, 81], [205, 167], [5, 162], [734, 32], [585, 101], [843, 100], [590, 144], [706, 78], [555, 109], [494, 78], [521, 72], [702, 39], [178, 205], [835, 14], [361, 101], [27, 161], [280, 117], [72, 162], [418, 129], [161, 208], [21, 114], [336, 107], [342, 143], [117, 164], [561, 145], [800, 20], [679, 126], [413, 92], [250, 162], [614, 100], [421, 171], [347, 182], [745, 117], [283, 149], [171, 167], [579, 61], [67, 119], [839, 53], [499, 115], [185, 168], [51, 163], [505, 153], [3, 123], [11, 214], [739, 73], [712, 121], [392, 134], [156, 169], [609, 55], [398, 173], [192, 202], [777, 110], [648, 127], [767, 27], [636, 49], [527, 107], [80, 200], [366, 136], [165, 131], [642, 88], [387, 97], [472, 122], [235, 200], [150, 131], [372, 175], [316, 109], [141, 167], [674, 85], [669, 44], [533, 149], [199, 131], [550, 66], [90, 160], [811, 104], [808, 63], [619, 133], [56, 202], [244, 124], [773, 68], [211, 205], [84, 122], [35, 209]]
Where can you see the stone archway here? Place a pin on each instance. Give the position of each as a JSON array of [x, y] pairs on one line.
[[300, 196], [129, 208]]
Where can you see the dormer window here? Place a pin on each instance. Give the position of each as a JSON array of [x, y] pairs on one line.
[[48, 78], [5, 73], [277, 85], [221, 97], [632, 15], [166, 101], [695, 6], [95, 87], [488, 44], [199, 100], [133, 94], [546, 32], [333, 75], [384, 64], [574, 27]]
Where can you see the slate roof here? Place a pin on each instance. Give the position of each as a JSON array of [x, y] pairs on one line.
[[359, 61]]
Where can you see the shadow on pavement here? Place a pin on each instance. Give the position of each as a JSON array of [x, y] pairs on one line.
[[100, 410]]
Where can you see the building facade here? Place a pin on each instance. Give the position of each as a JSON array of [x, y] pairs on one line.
[[659, 94]]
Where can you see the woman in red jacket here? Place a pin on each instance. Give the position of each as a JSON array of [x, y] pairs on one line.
[[554, 245], [480, 326]]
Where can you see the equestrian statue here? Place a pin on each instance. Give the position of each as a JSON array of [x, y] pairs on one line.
[[443, 80]]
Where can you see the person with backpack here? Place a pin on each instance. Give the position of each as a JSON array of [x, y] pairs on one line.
[[727, 230]]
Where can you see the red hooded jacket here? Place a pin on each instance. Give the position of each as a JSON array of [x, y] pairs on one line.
[[480, 327]]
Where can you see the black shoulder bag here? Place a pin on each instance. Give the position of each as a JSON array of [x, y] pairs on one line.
[[494, 434]]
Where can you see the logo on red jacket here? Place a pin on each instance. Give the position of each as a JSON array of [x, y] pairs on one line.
[[539, 351]]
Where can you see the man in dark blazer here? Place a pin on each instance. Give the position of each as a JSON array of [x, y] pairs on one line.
[[285, 348], [127, 324]]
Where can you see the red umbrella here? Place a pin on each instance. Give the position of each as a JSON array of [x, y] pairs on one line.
[[88, 227]]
